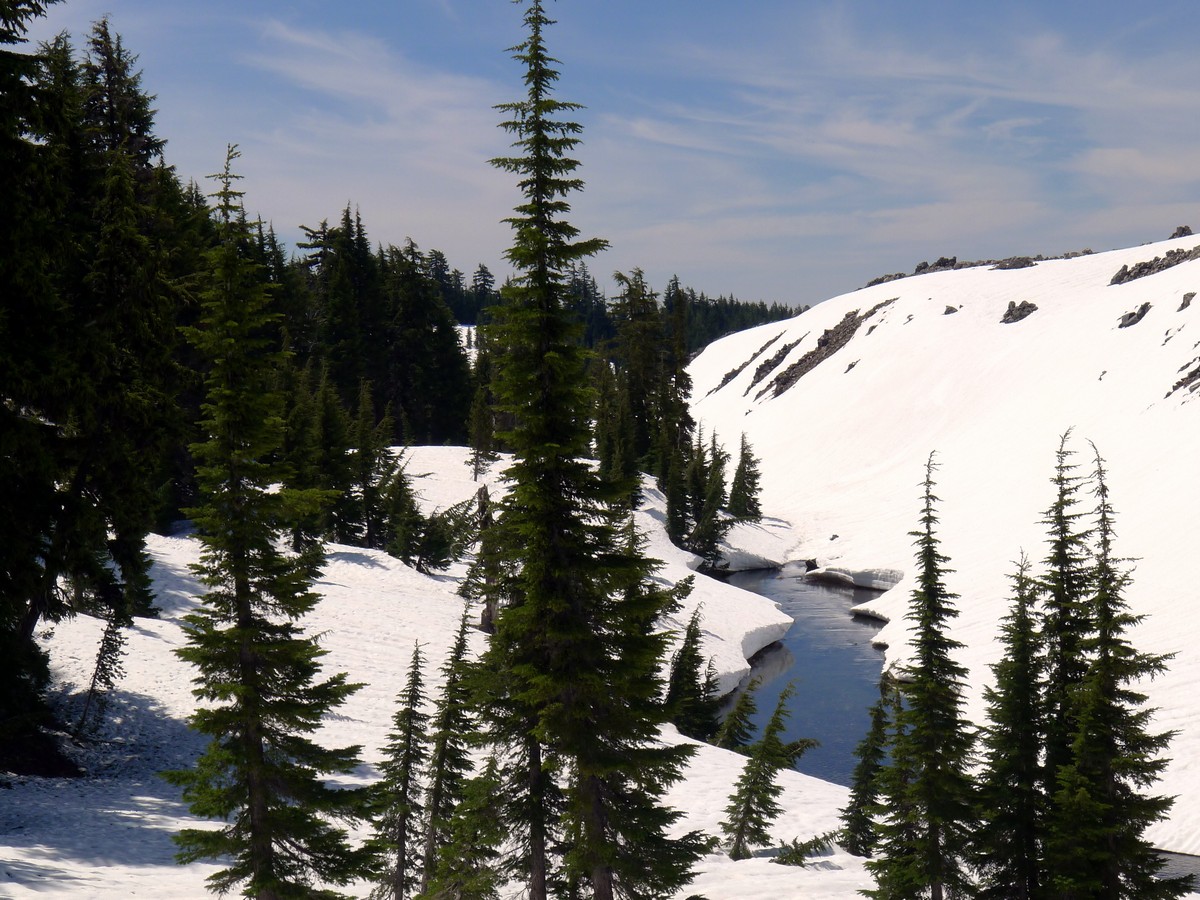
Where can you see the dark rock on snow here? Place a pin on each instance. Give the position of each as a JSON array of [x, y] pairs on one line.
[[1017, 311]]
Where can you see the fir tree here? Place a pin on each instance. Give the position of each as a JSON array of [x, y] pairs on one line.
[[399, 812], [934, 740], [469, 863], [690, 702], [571, 683], [261, 774], [859, 835], [737, 729], [1096, 845], [743, 491], [1011, 792], [449, 760], [1066, 623], [754, 804]]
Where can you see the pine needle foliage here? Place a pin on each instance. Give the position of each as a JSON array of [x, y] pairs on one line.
[[754, 804], [859, 834], [926, 832], [737, 729], [261, 775], [570, 691]]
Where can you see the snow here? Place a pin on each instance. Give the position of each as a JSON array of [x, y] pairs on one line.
[[842, 456], [843, 451]]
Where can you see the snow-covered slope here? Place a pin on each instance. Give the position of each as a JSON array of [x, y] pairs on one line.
[[931, 367], [108, 835]]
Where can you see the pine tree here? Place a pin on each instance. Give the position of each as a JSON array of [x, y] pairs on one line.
[[690, 702], [754, 804], [571, 683], [1096, 845], [737, 729], [399, 812], [469, 864], [449, 760], [261, 774], [1066, 623], [1012, 796], [934, 740], [859, 834], [743, 491]]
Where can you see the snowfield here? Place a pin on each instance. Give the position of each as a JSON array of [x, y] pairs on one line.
[[109, 835], [843, 449], [842, 455]]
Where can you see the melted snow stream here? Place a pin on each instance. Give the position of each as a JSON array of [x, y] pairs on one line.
[[828, 654]]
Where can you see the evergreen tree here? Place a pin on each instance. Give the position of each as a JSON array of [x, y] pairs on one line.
[[481, 432], [754, 804], [468, 865], [261, 774], [1066, 624], [691, 701], [934, 740], [399, 812], [572, 682], [743, 492], [897, 868], [1012, 798], [1096, 845], [737, 730], [449, 760], [859, 835]]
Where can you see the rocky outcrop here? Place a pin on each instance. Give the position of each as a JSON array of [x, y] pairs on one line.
[[1153, 266], [1187, 301], [949, 310], [766, 367], [1132, 318], [829, 343], [734, 373], [1018, 311], [1182, 231], [1190, 381], [1015, 262]]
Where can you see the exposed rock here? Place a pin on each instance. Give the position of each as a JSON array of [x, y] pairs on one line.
[[1182, 231], [851, 366], [1132, 318], [734, 373], [829, 343], [1190, 381], [1156, 265], [1015, 262], [768, 366], [1017, 311], [884, 279], [949, 310], [944, 263], [1187, 301]]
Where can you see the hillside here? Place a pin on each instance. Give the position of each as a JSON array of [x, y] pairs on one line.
[[845, 402]]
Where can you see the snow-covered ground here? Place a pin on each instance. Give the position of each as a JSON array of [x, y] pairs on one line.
[[108, 835], [842, 457], [843, 450]]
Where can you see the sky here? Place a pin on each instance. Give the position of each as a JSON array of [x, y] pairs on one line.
[[778, 150]]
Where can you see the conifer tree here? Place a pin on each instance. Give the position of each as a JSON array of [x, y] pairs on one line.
[[934, 740], [754, 804], [1065, 621], [1096, 845], [744, 490], [399, 811], [897, 866], [449, 760], [469, 864], [262, 775], [572, 681], [737, 728], [1011, 792], [859, 834], [691, 702]]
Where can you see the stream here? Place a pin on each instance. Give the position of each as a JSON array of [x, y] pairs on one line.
[[828, 654]]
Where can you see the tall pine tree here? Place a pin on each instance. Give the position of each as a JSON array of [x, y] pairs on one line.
[[261, 775], [572, 686]]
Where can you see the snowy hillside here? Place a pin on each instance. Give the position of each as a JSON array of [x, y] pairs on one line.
[[108, 835], [926, 364]]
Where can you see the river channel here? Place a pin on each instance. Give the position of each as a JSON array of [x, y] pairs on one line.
[[828, 654]]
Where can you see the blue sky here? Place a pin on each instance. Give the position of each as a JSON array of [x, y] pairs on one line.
[[774, 149]]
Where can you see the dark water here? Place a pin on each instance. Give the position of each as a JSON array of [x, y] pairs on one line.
[[828, 654]]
